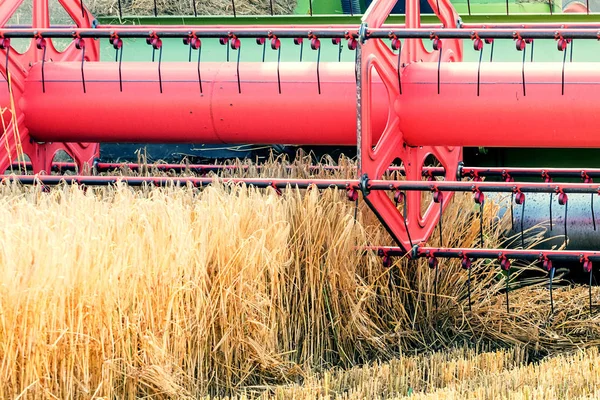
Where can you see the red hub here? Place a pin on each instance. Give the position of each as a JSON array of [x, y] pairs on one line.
[[421, 218], [15, 137]]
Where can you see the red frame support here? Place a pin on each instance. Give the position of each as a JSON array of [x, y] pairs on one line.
[[15, 139], [415, 227]]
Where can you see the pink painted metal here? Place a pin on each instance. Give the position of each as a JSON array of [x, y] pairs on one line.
[[420, 219], [15, 137]]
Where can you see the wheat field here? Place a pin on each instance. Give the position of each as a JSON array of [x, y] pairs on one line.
[[226, 290]]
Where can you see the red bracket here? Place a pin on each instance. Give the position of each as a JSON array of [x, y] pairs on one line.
[[15, 139], [376, 156]]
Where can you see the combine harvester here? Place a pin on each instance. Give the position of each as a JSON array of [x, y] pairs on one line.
[[405, 89]]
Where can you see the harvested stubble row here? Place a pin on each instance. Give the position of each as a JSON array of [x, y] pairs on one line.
[[181, 292]]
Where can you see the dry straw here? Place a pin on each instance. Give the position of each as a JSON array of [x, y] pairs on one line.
[[184, 292]]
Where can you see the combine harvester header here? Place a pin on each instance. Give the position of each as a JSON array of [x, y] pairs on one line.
[[409, 96]]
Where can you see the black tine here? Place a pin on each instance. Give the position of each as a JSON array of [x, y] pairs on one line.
[[492, 52], [310, 8], [440, 221], [590, 291], [550, 211], [271, 5], [512, 219], [566, 214], [592, 207], [439, 68], [82, 9], [301, 48], [523, 72], [160, 51], [120, 10], [82, 73], [155, 9], [479, 70], [406, 225], [195, 9], [340, 48], [481, 223], [239, 51], [120, 53], [563, 71], [356, 210], [438, 6], [199, 76], [522, 219], [6, 69], [278, 63], [435, 289], [507, 12], [469, 6], [227, 51], [153, 54], [190, 53], [264, 51], [43, 77], [551, 7], [552, 270], [351, 9], [398, 68], [233, 7], [469, 287], [532, 44], [587, 6], [507, 296], [318, 74]]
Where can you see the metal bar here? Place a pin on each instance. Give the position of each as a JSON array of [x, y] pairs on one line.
[[474, 18], [502, 187], [516, 254], [530, 172], [465, 172], [591, 32]]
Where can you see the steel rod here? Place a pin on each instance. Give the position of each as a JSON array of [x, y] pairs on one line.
[[516, 254], [591, 32]]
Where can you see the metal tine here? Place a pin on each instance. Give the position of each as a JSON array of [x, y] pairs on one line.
[[5, 45], [41, 45], [437, 46], [195, 44], [505, 264], [521, 45], [236, 44], [434, 264], [276, 45], [588, 267], [587, 179], [571, 56], [194, 7], [563, 200], [507, 11], [271, 5], [155, 9], [562, 45], [120, 10], [233, 7], [401, 197], [315, 44], [397, 45], [80, 45], [299, 42], [551, 271], [467, 264], [520, 199], [156, 44], [532, 46], [480, 199], [82, 9], [478, 46], [199, 56], [310, 7], [118, 45], [438, 197], [469, 6], [551, 7]]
